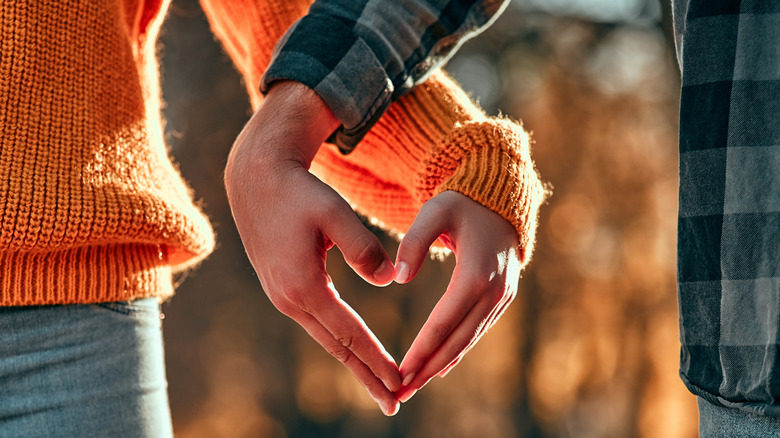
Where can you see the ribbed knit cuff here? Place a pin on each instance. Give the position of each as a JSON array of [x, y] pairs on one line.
[[90, 274], [489, 162]]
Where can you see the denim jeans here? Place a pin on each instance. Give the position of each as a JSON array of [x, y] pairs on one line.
[[92, 370], [720, 422]]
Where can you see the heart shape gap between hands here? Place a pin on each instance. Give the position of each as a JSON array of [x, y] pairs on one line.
[[288, 220]]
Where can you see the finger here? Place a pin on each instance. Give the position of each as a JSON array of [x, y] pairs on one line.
[[494, 316], [360, 247], [386, 399], [452, 365], [510, 289], [430, 223], [457, 301], [463, 336], [350, 331]]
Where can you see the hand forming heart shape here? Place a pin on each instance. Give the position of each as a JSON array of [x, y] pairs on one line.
[[288, 219], [293, 276], [483, 284]]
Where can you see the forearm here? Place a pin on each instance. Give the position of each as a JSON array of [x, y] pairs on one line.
[[432, 140]]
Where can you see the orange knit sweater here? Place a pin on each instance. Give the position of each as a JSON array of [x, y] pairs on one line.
[[91, 208]]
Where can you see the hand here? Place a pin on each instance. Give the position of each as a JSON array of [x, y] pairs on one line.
[[288, 219], [483, 283]]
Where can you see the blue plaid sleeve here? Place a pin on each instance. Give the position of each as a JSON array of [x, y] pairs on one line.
[[360, 55], [729, 205]]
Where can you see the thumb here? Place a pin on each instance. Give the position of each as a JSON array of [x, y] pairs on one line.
[[432, 220], [360, 247]]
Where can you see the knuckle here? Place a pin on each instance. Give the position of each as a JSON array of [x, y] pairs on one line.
[[341, 353], [441, 332], [414, 243], [475, 283], [435, 206], [367, 250], [282, 303], [346, 341], [297, 298], [331, 207]]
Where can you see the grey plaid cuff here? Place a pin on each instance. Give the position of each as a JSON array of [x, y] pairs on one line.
[[324, 54]]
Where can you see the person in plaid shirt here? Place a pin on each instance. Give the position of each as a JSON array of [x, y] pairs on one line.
[[729, 212]]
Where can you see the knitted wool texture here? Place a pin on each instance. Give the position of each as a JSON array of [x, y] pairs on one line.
[[92, 209], [432, 140]]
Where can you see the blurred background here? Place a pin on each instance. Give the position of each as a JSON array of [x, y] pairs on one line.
[[590, 346]]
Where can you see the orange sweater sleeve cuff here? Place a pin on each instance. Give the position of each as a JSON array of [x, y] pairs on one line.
[[431, 140], [489, 162]]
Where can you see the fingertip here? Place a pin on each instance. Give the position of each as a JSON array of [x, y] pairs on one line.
[[406, 394], [361, 249], [410, 366], [392, 409], [408, 388], [403, 272], [393, 384], [385, 273]]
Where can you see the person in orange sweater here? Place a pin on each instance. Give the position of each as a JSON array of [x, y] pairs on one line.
[[95, 218]]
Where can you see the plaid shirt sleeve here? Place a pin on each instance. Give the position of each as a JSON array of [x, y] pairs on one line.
[[729, 205], [360, 55]]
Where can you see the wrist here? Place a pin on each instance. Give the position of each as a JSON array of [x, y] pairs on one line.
[[490, 163], [283, 134], [289, 127]]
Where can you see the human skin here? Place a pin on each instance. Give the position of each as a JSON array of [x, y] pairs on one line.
[[288, 219], [483, 283]]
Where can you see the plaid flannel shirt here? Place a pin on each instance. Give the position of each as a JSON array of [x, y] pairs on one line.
[[729, 216], [360, 55]]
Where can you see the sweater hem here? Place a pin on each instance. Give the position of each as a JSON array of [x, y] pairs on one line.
[[80, 275]]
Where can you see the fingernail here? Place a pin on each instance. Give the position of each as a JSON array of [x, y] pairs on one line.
[[382, 271], [402, 272], [407, 396], [408, 379]]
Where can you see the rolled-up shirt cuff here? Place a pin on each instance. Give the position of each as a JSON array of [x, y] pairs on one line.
[[340, 67]]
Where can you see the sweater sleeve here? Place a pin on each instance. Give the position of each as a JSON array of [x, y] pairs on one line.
[[430, 140]]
